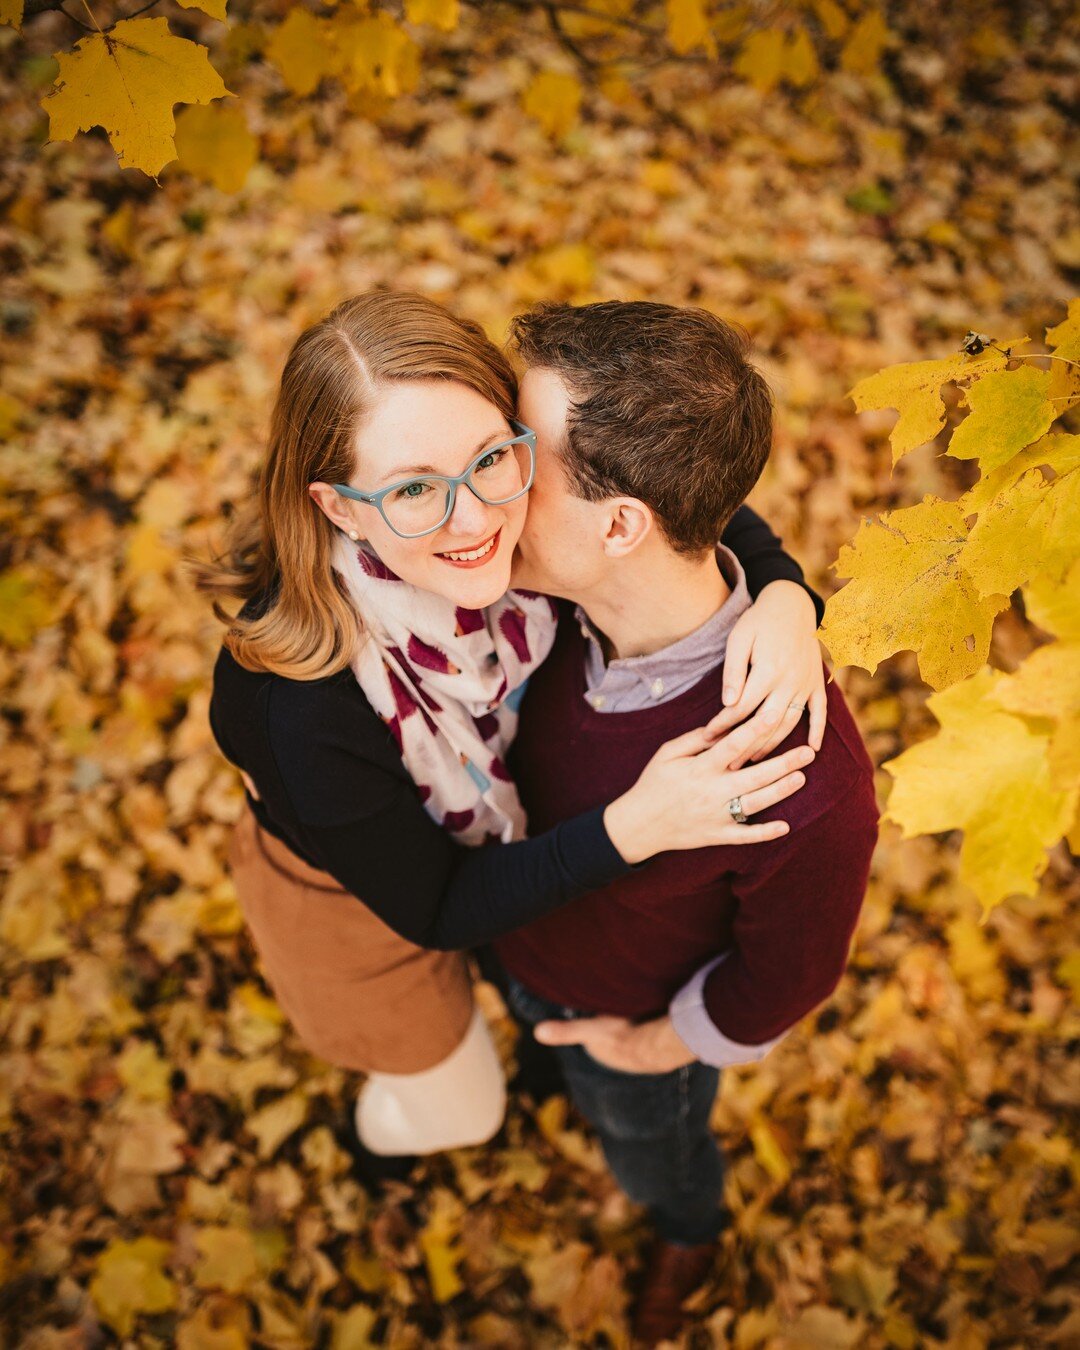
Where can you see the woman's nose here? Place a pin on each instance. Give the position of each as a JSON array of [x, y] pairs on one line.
[[470, 515]]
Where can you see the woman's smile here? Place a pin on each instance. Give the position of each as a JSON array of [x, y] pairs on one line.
[[474, 557]]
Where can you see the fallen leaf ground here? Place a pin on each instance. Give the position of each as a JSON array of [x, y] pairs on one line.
[[901, 1169]]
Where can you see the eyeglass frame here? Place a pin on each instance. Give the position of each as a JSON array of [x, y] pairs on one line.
[[525, 435]]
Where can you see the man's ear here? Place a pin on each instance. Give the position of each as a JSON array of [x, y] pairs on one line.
[[629, 524]]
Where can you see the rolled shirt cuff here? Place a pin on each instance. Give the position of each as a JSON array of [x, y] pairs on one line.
[[700, 1034]]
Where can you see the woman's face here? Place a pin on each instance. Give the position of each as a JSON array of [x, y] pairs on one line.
[[436, 427]]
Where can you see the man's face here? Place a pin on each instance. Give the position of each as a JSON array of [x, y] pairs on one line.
[[560, 551]]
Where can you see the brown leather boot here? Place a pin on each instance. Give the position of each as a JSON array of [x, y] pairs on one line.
[[673, 1272]]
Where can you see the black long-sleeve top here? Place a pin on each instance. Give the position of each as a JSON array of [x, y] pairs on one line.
[[333, 788]]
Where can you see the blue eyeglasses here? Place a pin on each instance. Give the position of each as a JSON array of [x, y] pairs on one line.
[[419, 506]]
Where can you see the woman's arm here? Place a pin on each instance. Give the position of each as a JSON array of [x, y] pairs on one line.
[[338, 776], [762, 556], [773, 662]]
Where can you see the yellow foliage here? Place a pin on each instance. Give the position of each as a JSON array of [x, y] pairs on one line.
[[226, 1258], [770, 55], [273, 1124], [377, 56], [914, 389], [215, 8], [26, 605], [130, 1280], [554, 99], [688, 26], [216, 145], [761, 60], [11, 11], [767, 1150], [1009, 410], [908, 592], [1047, 685], [440, 1243], [1055, 605], [302, 49], [442, 14], [986, 772], [128, 82], [1064, 339], [1032, 528], [861, 53], [145, 1074]]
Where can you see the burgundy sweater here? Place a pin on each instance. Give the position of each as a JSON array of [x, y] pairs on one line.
[[784, 910]]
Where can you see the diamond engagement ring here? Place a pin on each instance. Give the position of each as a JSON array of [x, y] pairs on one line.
[[737, 813]]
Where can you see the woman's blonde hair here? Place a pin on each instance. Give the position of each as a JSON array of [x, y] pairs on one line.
[[279, 546]]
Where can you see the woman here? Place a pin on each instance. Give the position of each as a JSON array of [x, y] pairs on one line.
[[368, 692]]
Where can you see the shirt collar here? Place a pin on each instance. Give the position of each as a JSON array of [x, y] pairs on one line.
[[628, 683]]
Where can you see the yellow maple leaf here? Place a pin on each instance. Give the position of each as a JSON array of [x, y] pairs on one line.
[[273, 1124], [353, 1329], [761, 59], [800, 60], [1047, 685], [554, 99], [227, 1258], [216, 145], [144, 1073], [974, 959], [441, 14], [215, 8], [869, 38], [908, 592], [767, 1150], [1055, 605], [303, 50], [688, 26], [914, 390], [831, 17], [1064, 338], [1031, 529], [376, 56], [440, 1243], [985, 772], [1009, 410], [1058, 451], [128, 80], [11, 11], [130, 1280], [26, 605]]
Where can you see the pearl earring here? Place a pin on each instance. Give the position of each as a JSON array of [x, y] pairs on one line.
[[353, 536]]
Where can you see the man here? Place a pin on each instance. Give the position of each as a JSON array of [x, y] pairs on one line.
[[652, 428]]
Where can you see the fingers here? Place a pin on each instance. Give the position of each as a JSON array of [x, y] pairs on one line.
[[559, 1033], [756, 834], [755, 776], [573, 1032], [731, 748], [766, 722], [819, 712], [789, 719], [753, 802], [736, 664], [689, 743]]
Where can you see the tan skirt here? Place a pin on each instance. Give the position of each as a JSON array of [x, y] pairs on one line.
[[359, 995]]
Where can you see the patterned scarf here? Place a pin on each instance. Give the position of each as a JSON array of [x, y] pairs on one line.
[[447, 682]]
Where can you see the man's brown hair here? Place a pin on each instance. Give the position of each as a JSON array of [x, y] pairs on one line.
[[664, 406]]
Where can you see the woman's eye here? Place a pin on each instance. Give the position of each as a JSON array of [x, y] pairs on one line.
[[490, 459], [412, 490]]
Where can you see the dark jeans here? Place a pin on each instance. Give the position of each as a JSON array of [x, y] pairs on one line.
[[654, 1128]]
